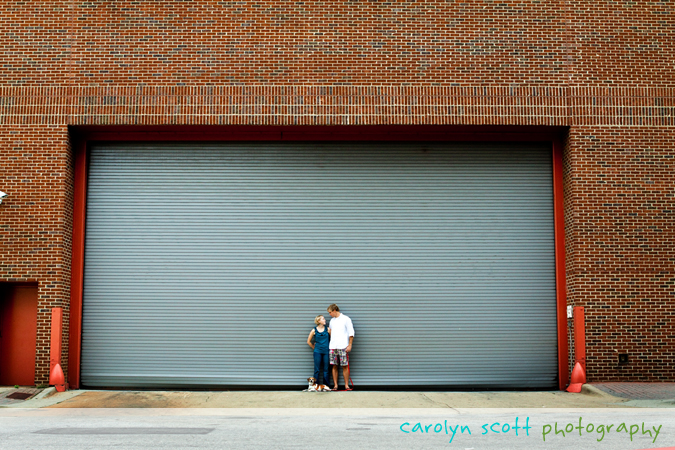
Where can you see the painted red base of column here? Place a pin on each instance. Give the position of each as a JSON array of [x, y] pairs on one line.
[[579, 372]]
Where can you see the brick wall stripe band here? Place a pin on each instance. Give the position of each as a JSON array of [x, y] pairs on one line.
[[337, 105]]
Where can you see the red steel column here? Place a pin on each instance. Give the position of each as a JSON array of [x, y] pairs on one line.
[[560, 275], [579, 337], [77, 264], [56, 336]]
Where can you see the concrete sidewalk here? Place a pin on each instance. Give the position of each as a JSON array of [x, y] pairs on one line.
[[601, 395], [639, 391], [591, 397]]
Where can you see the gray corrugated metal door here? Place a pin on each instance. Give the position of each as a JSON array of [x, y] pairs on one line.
[[206, 263]]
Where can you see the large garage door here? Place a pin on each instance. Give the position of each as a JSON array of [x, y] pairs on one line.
[[207, 263]]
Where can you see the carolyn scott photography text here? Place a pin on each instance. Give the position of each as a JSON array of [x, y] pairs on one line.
[[547, 431]]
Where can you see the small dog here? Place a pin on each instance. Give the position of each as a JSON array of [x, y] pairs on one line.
[[313, 387]]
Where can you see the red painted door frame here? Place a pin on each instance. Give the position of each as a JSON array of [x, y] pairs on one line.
[[77, 263], [83, 135]]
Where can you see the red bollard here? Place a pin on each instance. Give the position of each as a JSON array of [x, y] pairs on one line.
[[579, 371], [57, 379], [580, 338], [57, 331], [56, 376], [578, 379]]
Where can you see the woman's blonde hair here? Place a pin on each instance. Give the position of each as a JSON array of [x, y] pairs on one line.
[[316, 319]]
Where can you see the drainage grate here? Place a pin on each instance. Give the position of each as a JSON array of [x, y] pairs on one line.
[[19, 395]]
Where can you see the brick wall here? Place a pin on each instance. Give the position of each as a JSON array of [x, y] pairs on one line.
[[36, 221], [620, 230], [603, 68]]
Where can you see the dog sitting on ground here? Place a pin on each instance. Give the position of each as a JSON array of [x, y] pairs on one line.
[[313, 387]]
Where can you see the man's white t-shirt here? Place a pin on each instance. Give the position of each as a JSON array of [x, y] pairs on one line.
[[340, 329]]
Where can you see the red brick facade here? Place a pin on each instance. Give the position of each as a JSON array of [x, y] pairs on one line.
[[603, 69], [620, 254]]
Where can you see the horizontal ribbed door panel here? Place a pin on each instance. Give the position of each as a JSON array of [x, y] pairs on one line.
[[205, 264]]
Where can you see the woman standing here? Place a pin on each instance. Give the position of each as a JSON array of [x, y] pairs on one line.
[[321, 335]]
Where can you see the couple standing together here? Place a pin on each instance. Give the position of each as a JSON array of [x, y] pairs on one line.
[[332, 344]]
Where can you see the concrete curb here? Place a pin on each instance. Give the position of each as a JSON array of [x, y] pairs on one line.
[[589, 389], [45, 393]]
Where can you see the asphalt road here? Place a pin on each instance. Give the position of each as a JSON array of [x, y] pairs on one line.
[[358, 428]]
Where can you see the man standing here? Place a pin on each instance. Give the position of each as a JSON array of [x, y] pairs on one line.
[[341, 340]]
